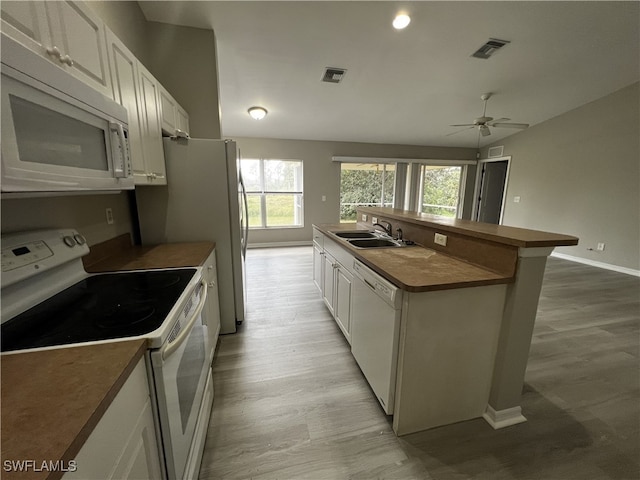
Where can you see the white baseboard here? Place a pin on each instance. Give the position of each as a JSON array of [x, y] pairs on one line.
[[594, 263], [298, 243], [503, 418]]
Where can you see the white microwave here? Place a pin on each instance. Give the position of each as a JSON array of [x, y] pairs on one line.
[[58, 134]]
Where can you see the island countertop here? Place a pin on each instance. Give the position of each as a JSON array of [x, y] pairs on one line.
[[52, 400], [416, 268], [514, 236]]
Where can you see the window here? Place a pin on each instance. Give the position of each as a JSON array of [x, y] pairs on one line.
[[440, 190], [365, 185], [274, 192]]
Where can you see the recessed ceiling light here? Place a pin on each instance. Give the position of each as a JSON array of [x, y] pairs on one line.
[[257, 113], [401, 21]]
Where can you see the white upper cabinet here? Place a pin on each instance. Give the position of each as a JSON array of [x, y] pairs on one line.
[[174, 118], [73, 36], [182, 118], [150, 130], [126, 91], [68, 33]]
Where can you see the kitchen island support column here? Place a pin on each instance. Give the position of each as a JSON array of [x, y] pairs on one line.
[[515, 338]]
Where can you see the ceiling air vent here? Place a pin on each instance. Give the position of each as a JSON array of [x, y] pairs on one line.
[[333, 75], [489, 48]]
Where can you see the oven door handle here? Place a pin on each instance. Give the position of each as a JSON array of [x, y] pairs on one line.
[[173, 346]]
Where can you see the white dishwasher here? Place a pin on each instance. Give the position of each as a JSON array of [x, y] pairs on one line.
[[375, 328]]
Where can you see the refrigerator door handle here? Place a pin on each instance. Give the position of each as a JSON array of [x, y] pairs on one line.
[[245, 218]]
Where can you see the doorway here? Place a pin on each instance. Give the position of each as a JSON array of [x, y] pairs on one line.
[[491, 189]]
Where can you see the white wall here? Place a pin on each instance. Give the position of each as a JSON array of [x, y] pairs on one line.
[[322, 175], [86, 213], [579, 174]]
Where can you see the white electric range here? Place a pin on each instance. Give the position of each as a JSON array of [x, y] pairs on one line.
[[49, 301]]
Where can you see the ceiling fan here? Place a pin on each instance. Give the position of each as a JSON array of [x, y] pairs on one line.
[[483, 123]]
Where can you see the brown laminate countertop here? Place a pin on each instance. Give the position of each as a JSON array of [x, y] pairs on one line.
[[518, 237], [118, 255], [416, 268], [53, 399]]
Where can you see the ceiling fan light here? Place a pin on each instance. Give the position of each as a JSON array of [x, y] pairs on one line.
[[257, 113], [401, 21]]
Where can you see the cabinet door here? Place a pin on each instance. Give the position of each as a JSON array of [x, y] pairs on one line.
[[182, 118], [168, 111], [342, 301], [123, 444], [328, 287], [213, 301], [318, 259], [79, 34], [27, 22], [126, 91], [150, 129], [68, 33]]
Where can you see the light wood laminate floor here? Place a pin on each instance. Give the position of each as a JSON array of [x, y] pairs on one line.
[[291, 403]]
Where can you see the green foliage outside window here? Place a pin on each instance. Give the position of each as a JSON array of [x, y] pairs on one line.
[[365, 185]]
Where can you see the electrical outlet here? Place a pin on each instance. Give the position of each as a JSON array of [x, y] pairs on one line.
[[374, 219], [109, 214], [600, 247], [324, 198], [364, 217], [440, 239], [516, 199]]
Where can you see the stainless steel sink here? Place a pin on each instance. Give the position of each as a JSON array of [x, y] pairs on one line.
[[355, 234], [374, 243]]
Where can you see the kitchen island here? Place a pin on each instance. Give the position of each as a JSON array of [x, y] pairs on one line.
[[467, 316]]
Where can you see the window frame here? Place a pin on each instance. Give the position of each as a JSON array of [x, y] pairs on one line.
[[263, 193]]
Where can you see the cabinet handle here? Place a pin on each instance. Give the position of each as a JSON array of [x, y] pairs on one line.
[[54, 52], [67, 60]]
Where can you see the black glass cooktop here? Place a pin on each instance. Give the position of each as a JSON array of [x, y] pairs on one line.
[[100, 307]]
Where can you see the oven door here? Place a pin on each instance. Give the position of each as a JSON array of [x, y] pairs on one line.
[[180, 371]]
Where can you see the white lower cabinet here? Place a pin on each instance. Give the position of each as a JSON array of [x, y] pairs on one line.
[[334, 281], [342, 300], [124, 443], [212, 307], [328, 281]]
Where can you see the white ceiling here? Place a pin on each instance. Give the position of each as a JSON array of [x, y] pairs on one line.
[[407, 87]]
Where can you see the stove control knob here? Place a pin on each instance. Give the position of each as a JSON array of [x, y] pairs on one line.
[[69, 241], [80, 240]]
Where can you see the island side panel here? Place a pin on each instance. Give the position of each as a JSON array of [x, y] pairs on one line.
[[448, 342], [515, 337]]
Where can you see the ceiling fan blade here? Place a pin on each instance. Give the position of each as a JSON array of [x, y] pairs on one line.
[[484, 130], [463, 130], [464, 125], [497, 120], [510, 125]]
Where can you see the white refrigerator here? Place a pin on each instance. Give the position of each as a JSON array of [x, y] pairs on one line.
[[204, 200]]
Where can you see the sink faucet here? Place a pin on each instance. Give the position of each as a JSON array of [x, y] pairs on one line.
[[388, 228]]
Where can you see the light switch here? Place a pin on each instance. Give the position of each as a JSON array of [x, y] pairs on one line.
[[516, 199]]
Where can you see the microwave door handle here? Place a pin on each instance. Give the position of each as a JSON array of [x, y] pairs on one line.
[[120, 170], [182, 336]]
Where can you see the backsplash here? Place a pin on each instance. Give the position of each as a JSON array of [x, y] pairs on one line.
[[86, 213]]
